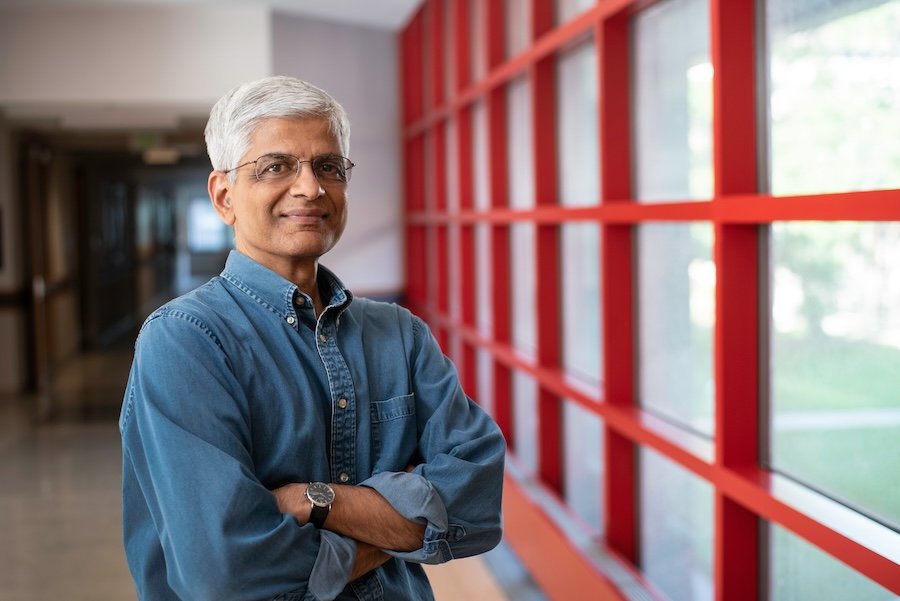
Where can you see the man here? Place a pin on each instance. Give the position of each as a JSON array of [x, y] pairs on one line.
[[283, 439]]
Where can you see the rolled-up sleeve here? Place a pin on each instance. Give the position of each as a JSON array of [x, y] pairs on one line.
[[413, 497], [195, 514], [456, 488]]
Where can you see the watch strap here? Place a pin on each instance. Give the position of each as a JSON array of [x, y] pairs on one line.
[[318, 514]]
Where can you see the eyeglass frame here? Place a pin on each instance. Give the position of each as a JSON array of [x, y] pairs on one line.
[[347, 170]]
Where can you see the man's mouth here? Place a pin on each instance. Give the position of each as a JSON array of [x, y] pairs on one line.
[[305, 216]]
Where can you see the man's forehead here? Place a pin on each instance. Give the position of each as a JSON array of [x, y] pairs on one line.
[[295, 130]]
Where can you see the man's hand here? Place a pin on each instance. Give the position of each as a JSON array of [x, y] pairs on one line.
[[292, 499]]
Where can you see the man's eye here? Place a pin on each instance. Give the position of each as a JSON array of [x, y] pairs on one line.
[[276, 167]]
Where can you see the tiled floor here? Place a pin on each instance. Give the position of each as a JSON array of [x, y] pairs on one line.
[[60, 514]]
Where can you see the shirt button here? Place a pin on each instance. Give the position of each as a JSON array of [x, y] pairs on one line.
[[322, 338], [299, 300], [342, 403], [291, 319], [343, 477]]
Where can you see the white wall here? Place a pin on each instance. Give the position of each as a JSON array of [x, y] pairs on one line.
[[358, 66], [130, 54]]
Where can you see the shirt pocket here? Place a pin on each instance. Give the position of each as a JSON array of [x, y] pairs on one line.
[[394, 433]]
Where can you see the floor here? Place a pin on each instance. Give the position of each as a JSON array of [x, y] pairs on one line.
[[60, 531]]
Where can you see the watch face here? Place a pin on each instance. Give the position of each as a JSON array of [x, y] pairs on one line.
[[320, 494]]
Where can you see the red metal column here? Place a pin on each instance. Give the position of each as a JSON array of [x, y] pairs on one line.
[[412, 87], [546, 263], [620, 473], [441, 232], [733, 49], [499, 192], [467, 263]]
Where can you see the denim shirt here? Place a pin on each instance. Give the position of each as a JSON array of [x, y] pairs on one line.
[[236, 389]]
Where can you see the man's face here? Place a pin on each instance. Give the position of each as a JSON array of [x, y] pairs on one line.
[[285, 225]]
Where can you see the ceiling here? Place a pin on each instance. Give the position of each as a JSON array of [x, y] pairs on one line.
[[114, 125], [381, 14]]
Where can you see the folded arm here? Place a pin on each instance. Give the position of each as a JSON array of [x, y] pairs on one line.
[[358, 512]]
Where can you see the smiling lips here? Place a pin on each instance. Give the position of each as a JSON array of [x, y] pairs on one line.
[[305, 216]]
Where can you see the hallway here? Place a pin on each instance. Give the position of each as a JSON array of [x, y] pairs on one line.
[[60, 500]]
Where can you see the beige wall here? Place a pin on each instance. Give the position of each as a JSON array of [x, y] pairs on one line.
[[130, 54]]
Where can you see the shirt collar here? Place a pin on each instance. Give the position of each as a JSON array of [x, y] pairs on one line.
[[271, 289]]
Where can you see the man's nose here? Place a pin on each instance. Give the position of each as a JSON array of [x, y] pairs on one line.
[[306, 183]]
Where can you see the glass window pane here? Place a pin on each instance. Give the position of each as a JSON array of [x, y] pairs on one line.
[[676, 279], [578, 155], [449, 45], [518, 26], [580, 270], [478, 46], [834, 112], [484, 279], [676, 529], [451, 165], [799, 571], [485, 391], [567, 9], [431, 265], [206, 232], [524, 395], [523, 285], [454, 274], [520, 144], [583, 440], [835, 351], [455, 344], [480, 170], [673, 98]]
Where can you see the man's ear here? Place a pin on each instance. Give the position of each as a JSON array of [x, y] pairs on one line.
[[220, 195]]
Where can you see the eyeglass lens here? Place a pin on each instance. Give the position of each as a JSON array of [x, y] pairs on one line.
[[328, 168]]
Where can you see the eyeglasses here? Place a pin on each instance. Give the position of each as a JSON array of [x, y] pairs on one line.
[[328, 168]]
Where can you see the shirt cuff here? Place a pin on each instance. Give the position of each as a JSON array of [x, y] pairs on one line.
[[333, 567], [413, 497]]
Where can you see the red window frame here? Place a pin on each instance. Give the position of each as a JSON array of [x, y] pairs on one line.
[[744, 491]]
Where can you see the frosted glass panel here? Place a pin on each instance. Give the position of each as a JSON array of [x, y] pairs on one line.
[[431, 262], [835, 360], [524, 391], [521, 145], [451, 162], [480, 171], [578, 150], [834, 97], [799, 571], [676, 279], [485, 391], [523, 284], [676, 529], [580, 269], [484, 279], [449, 45], [583, 440], [566, 9], [518, 26], [477, 39], [673, 97], [453, 287]]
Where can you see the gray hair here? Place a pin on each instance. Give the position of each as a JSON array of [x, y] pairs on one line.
[[236, 115]]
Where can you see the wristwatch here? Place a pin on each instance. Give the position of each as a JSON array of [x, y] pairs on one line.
[[321, 496]]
